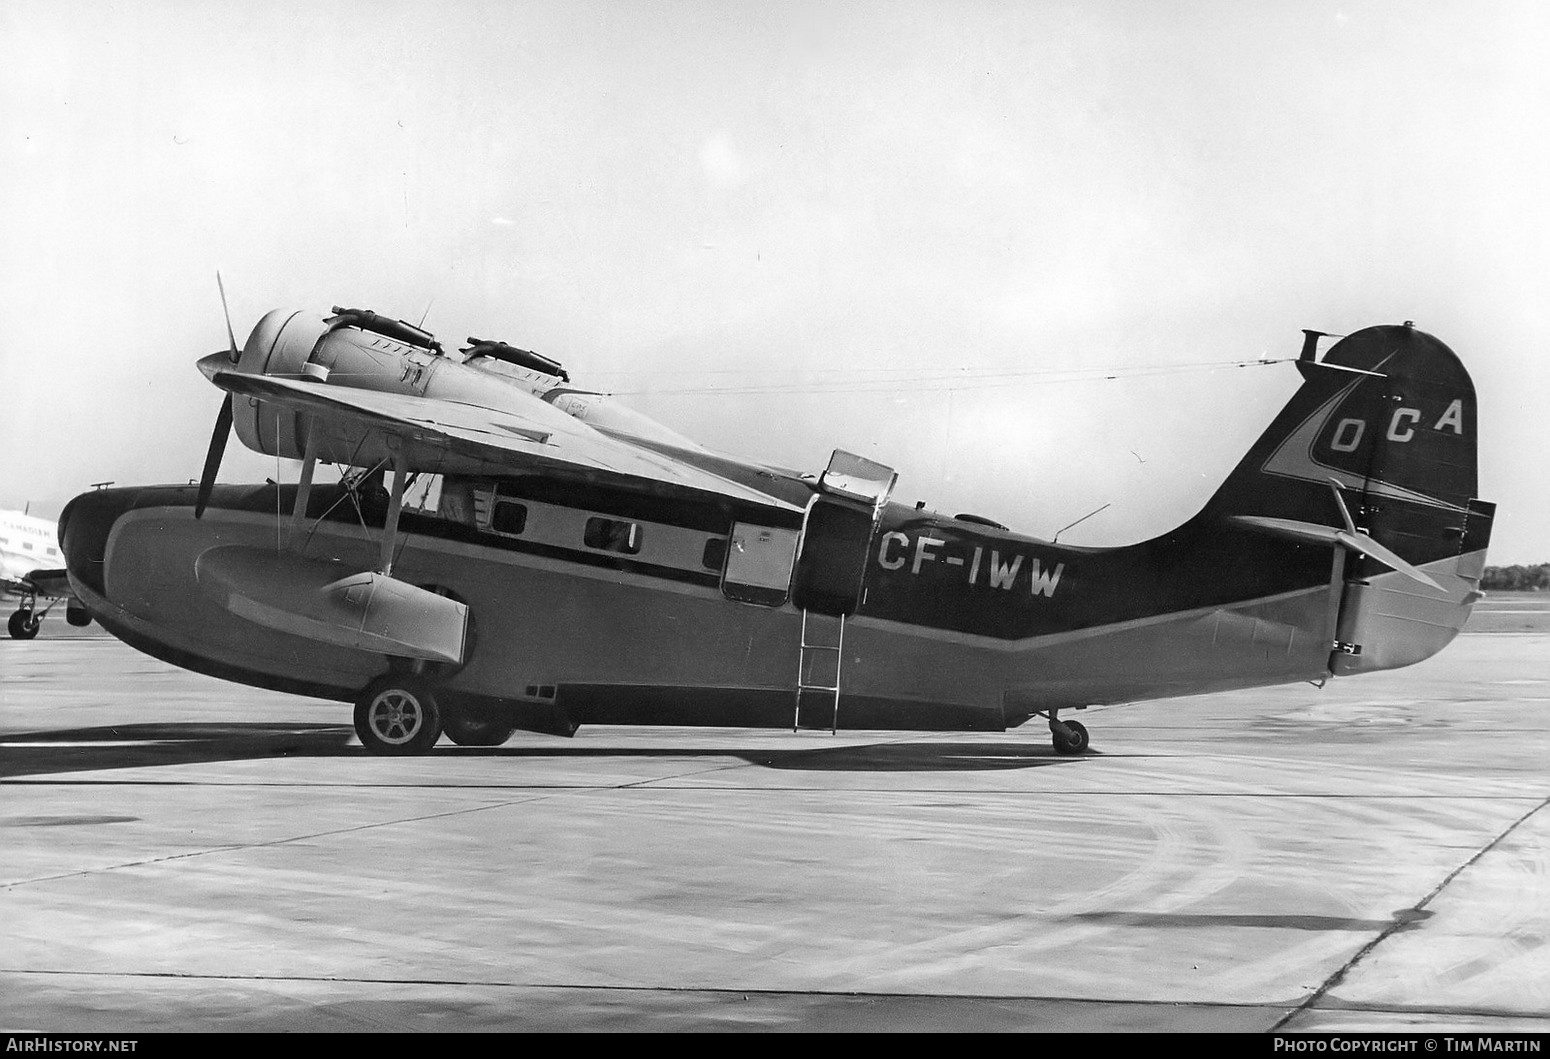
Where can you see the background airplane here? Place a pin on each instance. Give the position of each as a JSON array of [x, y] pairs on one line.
[[582, 564], [26, 543]]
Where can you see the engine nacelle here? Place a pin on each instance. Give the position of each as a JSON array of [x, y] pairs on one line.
[[351, 347], [281, 344]]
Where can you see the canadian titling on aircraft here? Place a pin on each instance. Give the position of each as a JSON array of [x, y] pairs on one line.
[[575, 562], [25, 542]]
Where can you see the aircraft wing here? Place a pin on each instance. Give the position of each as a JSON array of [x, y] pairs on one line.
[[52, 583], [360, 427]]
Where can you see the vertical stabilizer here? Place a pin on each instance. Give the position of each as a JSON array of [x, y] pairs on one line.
[[1379, 447]]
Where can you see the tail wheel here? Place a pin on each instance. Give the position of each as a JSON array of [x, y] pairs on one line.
[[397, 714], [1075, 742], [23, 625]]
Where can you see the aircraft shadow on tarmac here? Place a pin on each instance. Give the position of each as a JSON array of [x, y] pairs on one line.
[[152, 745]]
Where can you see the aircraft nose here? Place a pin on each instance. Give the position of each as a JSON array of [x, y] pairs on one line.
[[84, 526]]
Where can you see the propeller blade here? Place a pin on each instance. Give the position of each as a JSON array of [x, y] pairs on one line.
[[231, 335], [213, 457]]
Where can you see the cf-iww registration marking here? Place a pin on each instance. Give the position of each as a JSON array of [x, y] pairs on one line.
[[896, 551]]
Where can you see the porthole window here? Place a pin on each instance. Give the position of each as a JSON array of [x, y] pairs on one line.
[[508, 517], [613, 535]]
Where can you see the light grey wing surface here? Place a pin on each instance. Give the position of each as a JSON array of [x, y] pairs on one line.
[[362, 427]]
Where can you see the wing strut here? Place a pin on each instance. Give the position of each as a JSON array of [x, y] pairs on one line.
[[390, 524], [309, 462]]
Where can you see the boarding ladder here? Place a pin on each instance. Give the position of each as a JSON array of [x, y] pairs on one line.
[[819, 663], [829, 577]]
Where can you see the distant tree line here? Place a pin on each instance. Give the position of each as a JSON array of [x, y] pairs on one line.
[[1516, 578]]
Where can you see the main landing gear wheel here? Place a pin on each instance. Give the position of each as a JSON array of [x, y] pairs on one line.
[[1073, 743], [23, 625], [397, 714], [476, 731]]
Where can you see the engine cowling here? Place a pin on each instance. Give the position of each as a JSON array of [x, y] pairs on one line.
[[281, 344]]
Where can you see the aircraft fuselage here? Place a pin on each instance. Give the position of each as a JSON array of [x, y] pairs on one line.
[[959, 625]]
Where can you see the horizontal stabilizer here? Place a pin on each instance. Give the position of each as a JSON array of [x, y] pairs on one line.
[[1352, 540], [328, 603]]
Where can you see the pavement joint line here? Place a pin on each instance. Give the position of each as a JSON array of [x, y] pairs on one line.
[[1400, 922], [1349, 1007], [659, 782], [233, 847], [859, 994]]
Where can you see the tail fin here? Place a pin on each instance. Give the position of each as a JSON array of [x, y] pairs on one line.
[[1376, 453]]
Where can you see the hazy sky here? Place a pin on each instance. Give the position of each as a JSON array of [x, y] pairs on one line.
[[925, 232]]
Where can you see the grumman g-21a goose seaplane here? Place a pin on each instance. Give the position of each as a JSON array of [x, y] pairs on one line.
[[576, 562]]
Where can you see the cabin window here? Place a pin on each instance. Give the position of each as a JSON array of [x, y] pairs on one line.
[[613, 535], [508, 517], [715, 555], [459, 502]]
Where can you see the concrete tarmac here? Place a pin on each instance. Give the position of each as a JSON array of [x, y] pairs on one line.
[[178, 853]]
